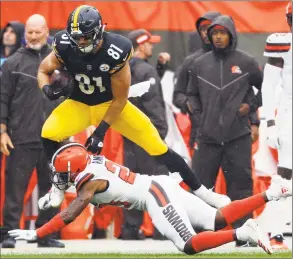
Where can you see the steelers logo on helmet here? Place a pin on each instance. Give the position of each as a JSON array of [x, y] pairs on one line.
[[67, 162], [85, 28]]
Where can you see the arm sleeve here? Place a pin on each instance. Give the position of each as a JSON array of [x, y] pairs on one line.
[[153, 104], [255, 75], [7, 89], [272, 76]]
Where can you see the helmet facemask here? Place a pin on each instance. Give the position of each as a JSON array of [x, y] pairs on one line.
[[92, 39], [61, 180]]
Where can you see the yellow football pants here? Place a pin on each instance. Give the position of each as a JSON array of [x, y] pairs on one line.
[[72, 117]]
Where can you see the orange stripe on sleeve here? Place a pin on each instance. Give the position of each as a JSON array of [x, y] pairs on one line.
[[83, 180], [277, 47]]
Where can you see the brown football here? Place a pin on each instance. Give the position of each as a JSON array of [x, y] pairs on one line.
[[62, 79]]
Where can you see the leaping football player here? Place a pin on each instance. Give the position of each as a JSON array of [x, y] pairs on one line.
[[98, 61]]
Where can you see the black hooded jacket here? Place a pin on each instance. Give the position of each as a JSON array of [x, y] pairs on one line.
[[19, 31], [182, 74], [23, 105], [218, 85]]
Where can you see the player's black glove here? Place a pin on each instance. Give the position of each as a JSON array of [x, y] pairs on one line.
[[53, 92], [94, 143]]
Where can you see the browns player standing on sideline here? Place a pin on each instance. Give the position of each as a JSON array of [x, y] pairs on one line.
[[278, 68], [99, 62]]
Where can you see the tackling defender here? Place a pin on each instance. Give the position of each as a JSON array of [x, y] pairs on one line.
[[278, 69], [174, 211], [99, 62]]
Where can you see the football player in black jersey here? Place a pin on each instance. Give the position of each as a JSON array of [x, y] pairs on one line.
[[99, 62]]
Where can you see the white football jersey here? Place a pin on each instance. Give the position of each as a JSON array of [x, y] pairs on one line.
[[279, 45], [126, 189]]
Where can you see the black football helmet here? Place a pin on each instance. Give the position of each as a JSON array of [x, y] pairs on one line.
[[85, 28]]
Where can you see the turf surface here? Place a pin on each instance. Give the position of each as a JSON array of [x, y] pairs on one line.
[[113, 255]]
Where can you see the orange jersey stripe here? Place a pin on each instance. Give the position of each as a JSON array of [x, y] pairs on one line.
[[83, 181], [160, 195], [131, 178]]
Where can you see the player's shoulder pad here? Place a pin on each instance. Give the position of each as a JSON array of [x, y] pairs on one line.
[[61, 44], [277, 44], [119, 49], [81, 179]]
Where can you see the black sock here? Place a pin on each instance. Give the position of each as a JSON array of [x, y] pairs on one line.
[[175, 163], [50, 147]]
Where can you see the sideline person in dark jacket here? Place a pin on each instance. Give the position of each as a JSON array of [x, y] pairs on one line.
[[152, 104], [10, 39], [219, 83], [23, 112], [182, 76], [182, 73]]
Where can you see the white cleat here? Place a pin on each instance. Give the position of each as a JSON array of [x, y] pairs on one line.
[[279, 188], [250, 232]]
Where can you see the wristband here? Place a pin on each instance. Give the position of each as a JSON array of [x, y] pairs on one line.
[[102, 128], [46, 89], [271, 123], [54, 225]]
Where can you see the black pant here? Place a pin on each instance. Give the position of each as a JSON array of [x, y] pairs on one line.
[[138, 161], [19, 168], [235, 160]]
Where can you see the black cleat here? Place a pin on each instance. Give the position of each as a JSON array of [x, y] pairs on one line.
[[50, 242], [8, 242]]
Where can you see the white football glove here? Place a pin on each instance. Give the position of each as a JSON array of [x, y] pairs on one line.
[[53, 199], [44, 202], [18, 234], [272, 138]]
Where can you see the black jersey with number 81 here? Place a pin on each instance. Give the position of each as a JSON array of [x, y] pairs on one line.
[[93, 72]]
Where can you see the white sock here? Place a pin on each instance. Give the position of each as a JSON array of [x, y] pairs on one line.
[[268, 194], [201, 192]]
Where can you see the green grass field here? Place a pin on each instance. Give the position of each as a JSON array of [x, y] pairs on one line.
[[113, 255]]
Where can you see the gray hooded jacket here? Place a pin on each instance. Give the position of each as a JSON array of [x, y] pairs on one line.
[[182, 73], [218, 86]]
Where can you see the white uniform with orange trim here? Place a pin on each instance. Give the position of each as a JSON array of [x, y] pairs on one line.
[[279, 45], [173, 210]]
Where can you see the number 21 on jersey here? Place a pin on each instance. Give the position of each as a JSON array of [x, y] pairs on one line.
[[121, 171]]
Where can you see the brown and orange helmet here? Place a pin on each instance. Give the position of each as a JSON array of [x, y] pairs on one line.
[[68, 161]]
